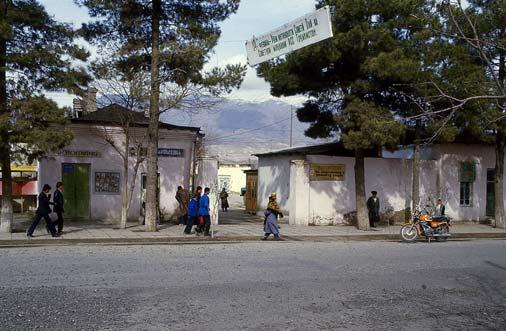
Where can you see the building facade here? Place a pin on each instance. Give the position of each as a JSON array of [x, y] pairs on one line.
[[92, 165], [232, 176], [316, 185]]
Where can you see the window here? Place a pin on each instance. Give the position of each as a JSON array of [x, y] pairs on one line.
[[466, 193]]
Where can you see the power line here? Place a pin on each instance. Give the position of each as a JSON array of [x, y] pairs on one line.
[[248, 131]]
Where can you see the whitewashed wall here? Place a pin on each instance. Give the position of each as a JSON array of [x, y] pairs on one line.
[[450, 157], [173, 171], [331, 200], [326, 202], [207, 176], [237, 176], [274, 176]]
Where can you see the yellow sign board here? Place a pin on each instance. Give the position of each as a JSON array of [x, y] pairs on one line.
[[326, 172], [22, 168]]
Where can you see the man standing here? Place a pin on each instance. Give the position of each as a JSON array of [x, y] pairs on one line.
[[58, 206], [373, 206], [182, 197], [204, 211], [224, 199], [43, 211], [440, 209]]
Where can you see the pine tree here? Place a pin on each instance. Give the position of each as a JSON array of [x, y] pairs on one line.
[[350, 79], [172, 40], [36, 54]]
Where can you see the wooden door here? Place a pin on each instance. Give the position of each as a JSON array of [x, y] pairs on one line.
[[251, 192]]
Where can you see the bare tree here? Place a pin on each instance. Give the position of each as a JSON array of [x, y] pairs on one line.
[[462, 24]]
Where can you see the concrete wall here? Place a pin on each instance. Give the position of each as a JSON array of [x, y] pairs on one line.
[[450, 157], [207, 176], [331, 200], [327, 202], [173, 171], [237, 176], [274, 176]]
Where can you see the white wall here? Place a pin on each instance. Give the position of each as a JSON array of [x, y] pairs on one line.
[[237, 175], [331, 200], [173, 171], [207, 176], [451, 156], [274, 176], [326, 202]]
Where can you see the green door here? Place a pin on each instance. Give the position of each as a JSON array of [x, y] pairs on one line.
[[76, 180], [490, 192]]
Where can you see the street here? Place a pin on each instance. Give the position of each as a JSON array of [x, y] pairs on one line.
[[256, 286]]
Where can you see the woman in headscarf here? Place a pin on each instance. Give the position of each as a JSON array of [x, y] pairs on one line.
[[271, 218]]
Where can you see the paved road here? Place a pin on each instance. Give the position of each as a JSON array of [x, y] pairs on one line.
[[256, 286]]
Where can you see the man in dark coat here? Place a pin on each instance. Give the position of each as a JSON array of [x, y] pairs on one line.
[[58, 205], [43, 211], [183, 198], [373, 207]]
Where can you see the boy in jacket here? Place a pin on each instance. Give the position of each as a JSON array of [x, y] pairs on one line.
[[58, 205], [193, 211], [204, 211], [43, 211]]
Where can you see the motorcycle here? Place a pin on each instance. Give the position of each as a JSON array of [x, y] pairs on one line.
[[422, 224]]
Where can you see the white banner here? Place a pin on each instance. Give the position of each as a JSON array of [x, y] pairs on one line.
[[304, 31]]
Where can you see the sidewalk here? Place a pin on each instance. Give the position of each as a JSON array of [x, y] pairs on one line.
[[93, 233]]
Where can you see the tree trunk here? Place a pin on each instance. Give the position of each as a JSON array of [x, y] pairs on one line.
[[124, 191], [500, 221], [362, 216], [6, 215], [415, 192], [154, 107], [5, 150]]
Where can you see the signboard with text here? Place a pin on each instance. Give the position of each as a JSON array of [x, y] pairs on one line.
[[326, 172], [299, 33]]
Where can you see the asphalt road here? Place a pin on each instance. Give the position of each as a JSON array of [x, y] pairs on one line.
[[256, 286]]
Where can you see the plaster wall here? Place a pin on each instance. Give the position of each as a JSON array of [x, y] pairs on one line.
[[450, 157], [274, 176], [237, 176], [173, 171]]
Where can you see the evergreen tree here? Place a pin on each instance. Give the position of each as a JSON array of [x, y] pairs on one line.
[[171, 39], [349, 79], [36, 54]]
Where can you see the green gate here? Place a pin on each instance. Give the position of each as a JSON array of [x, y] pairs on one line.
[[76, 181]]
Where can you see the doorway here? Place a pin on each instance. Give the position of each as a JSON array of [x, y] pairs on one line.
[[490, 209], [76, 179]]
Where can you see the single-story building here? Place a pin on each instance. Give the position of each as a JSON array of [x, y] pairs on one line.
[[91, 166], [232, 177], [316, 184]]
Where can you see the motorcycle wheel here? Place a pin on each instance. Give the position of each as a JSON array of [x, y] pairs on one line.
[[444, 230], [409, 233]]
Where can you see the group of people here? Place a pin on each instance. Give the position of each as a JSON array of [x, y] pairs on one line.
[[194, 210], [44, 209]]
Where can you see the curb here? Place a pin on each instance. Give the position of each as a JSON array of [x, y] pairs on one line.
[[222, 240]]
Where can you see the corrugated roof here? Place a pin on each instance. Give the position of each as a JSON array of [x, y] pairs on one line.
[[116, 115]]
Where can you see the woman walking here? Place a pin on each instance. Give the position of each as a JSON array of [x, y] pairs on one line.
[[271, 218], [43, 211]]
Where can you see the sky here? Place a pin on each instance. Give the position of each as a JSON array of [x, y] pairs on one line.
[[251, 120], [254, 17]]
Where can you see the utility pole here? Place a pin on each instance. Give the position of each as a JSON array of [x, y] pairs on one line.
[[291, 125]]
